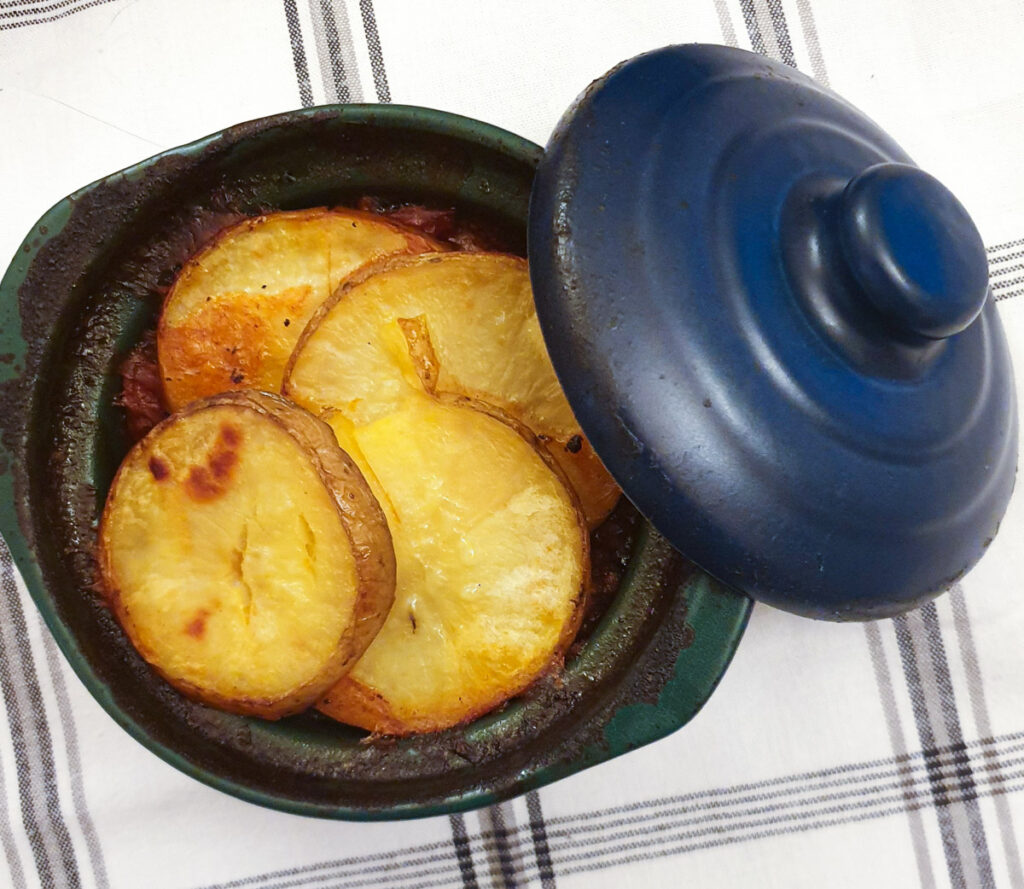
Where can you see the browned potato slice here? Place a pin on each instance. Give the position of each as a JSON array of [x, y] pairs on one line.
[[492, 556], [245, 556], [480, 312], [233, 315]]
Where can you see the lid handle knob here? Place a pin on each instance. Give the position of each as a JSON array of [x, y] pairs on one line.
[[913, 249]]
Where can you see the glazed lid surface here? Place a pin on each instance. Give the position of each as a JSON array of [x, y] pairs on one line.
[[776, 331]]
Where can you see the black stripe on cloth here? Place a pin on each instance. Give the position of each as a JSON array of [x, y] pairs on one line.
[[810, 32], [725, 23], [926, 731], [33, 7], [1004, 287], [1009, 282], [1017, 243], [1006, 257], [589, 863], [291, 15], [538, 833], [33, 748], [341, 89], [7, 841], [898, 742], [778, 18], [75, 6], [954, 735], [657, 841], [23, 764], [306, 871], [380, 76], [855, 790], [500, 819], [37, 9], [1000, 271], [753, 28], [67, 719], [926, 736], [983, 722], [463, 853]]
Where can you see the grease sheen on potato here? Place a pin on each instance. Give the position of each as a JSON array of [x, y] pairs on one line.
[[245, 556]]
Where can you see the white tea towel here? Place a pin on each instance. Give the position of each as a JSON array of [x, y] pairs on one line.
[[888, 754]]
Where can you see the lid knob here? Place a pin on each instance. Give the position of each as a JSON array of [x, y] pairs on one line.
[[913, 249]]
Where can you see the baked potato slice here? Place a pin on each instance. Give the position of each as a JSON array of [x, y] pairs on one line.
[[235, 311], [244, 554], [492, 563], [483, 325]]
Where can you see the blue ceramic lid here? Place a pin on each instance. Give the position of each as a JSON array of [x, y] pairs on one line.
[[776, 331]]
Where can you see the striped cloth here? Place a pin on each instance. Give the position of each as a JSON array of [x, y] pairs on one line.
[[888, 754]]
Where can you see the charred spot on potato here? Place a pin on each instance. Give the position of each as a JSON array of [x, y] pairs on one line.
[[206, 483], [237, 376], [200, 486], [158, 468], [222, 463], [224, 455], [196, 628], [230, 435], [575, 444]]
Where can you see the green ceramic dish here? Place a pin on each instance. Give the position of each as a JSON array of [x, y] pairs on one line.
[[84, 286]]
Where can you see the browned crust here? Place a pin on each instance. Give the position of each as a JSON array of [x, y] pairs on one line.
[[361, 518], [415, 243]]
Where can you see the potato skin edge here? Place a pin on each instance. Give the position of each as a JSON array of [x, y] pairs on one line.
[[360, 276]]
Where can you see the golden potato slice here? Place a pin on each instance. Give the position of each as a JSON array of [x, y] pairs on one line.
[[244, 554], [232, 317], [480, 312], [492, 555]]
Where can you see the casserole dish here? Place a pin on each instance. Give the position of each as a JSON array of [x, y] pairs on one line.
[[80, 293]]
